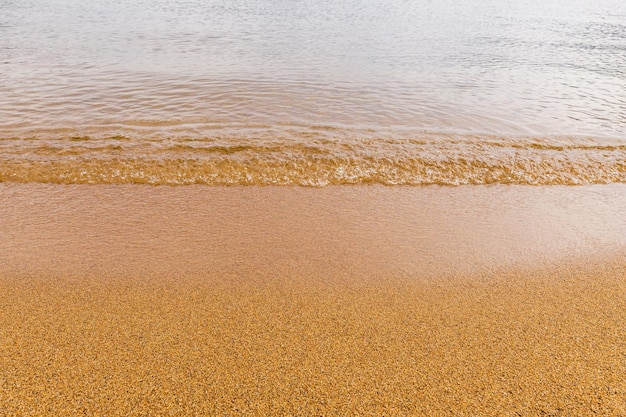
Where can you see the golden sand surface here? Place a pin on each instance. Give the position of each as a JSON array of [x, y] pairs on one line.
[[550, 342], [292, 313]]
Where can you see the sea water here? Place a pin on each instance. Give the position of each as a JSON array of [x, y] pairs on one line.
[[310, 92]]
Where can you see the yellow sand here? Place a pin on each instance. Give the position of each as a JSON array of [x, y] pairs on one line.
[[300, 337], [550, 343]]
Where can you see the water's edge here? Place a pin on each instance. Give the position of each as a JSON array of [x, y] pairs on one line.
[[319, 161]]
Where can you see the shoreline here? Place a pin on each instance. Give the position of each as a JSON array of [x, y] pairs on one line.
[[133, 300], [418, 231]]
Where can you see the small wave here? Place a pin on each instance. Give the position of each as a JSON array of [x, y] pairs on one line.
[[313, 161]]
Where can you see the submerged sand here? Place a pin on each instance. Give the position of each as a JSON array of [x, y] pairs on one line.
[[294, 311]]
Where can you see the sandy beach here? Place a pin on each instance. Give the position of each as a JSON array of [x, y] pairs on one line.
[[312, 208], [135, 300]]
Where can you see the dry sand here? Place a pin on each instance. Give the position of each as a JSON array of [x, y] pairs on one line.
[[274, 331]]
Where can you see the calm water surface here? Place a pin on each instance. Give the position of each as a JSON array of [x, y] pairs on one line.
[[313, 92]]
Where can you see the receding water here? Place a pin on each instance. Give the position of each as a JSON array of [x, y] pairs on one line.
[[396, 92]]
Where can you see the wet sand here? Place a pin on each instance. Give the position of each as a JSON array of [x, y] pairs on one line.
[[486, 301]]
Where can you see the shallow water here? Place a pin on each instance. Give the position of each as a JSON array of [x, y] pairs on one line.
[[326, 233], [313, 92]]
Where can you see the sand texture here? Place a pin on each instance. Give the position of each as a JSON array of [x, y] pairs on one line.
[[139, 301], [547, 343]]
